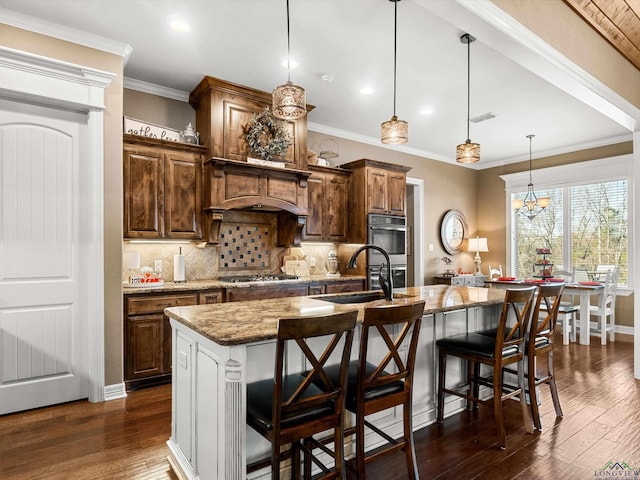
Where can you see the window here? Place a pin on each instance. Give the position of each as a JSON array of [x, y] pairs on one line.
[[586, 225]]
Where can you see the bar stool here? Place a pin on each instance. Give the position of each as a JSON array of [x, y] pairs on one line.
[[291, 408], [540, 342], [504, 348], [382, 378]]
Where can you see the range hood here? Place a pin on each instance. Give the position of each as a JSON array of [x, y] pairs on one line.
[[238, 185]]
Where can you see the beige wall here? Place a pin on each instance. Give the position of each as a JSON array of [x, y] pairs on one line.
[[69, 52], [158, 110], [446, 187]]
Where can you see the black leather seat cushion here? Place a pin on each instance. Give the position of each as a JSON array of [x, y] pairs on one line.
[[333, 372], [475, 343], [541, 341], [260, 403]]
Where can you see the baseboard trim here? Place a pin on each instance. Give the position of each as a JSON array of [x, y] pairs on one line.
[[624, 329], [114, 392]]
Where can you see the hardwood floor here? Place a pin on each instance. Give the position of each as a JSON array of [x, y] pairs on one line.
[[125, 439]]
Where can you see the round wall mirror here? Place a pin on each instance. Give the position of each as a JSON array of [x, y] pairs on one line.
[[454, 232]]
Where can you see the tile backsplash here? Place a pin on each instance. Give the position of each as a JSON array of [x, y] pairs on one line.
[[247, 247]]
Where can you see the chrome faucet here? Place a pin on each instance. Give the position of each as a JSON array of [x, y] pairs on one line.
[[385, 283]]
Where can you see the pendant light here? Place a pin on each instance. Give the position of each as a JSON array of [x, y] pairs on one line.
[[468, 152], [394, 131], [530, 206], [289, 100]]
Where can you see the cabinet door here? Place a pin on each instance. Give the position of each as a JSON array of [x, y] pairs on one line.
[[376, 190], [397, 185], [143, 193], [314, 229], [183, 195], [144, 346], [336, 208]]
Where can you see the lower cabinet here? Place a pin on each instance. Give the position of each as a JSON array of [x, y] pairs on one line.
[[147, 335], [462, 280], [335, 286], [266, 291]]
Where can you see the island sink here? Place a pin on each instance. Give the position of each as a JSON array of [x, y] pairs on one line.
[[360, 297]]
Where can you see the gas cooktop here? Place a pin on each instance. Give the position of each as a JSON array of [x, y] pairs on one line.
[[271, 277]]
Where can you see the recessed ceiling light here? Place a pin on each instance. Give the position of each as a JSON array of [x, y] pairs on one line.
[[366, 90], [179, 25], [327, 77], [426, 111], [293, 65]]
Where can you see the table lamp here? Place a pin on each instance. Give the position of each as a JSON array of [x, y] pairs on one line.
[[477, 245]]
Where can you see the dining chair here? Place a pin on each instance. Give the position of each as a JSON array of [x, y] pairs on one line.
[[292, 407], [495, 273], [382, 378], [540, 342], [568, 309], [606, 308], [581, 275], [505, 347]]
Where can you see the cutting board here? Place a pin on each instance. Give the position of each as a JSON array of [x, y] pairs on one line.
[[296, 267]]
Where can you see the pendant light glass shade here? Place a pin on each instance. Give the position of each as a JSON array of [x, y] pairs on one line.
[[289, 100], [394, 131], [530, 206], [468, 152]]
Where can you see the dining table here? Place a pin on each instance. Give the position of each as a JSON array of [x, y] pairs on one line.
[[585, 291]]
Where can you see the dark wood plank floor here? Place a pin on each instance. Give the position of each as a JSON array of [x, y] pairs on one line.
[[125, 439]]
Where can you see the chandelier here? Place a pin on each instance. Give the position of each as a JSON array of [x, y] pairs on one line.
[[468, 152], [530, 206], [394, 131], [289, 100]]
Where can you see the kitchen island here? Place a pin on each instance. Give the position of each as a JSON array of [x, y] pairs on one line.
[[218, 348]]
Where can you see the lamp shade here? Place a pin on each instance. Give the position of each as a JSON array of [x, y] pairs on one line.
[[477, 245]]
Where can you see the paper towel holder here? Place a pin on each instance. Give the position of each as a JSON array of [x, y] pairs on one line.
[[179, 268]]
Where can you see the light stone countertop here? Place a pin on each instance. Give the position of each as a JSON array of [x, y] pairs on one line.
[[239, 323], [171, 287]]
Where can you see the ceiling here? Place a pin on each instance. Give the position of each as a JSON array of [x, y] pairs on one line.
[[513, 75]]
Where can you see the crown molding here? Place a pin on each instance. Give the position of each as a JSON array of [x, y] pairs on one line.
[[153, 89], [50, 29]]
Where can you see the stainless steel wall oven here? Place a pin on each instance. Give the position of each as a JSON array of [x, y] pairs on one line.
[[390, 233]]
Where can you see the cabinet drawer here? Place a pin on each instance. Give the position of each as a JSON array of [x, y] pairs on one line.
[[157, 304], [346, 286], [211, 296], [262, 292]]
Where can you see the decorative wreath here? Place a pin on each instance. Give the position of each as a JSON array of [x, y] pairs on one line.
[[266, 136]]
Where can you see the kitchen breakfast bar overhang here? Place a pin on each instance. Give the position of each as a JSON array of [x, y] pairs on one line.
[[218, 348]]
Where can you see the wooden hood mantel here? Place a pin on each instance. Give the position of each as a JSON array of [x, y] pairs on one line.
[[233, 184]]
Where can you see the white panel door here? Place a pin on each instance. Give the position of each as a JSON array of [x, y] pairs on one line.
[[43, 354]]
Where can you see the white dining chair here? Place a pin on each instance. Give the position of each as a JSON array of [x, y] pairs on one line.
[[495, 273], [606, 309]]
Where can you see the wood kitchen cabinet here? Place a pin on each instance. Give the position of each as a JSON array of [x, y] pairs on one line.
[[336, 286], [260, 292], [162, 189], [147, 337], [375, 187], [328, 205], [223, 111]]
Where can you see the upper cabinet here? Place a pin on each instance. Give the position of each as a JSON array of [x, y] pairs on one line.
[[376, 187], [328, 205], [162, 189], [223, 111]]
